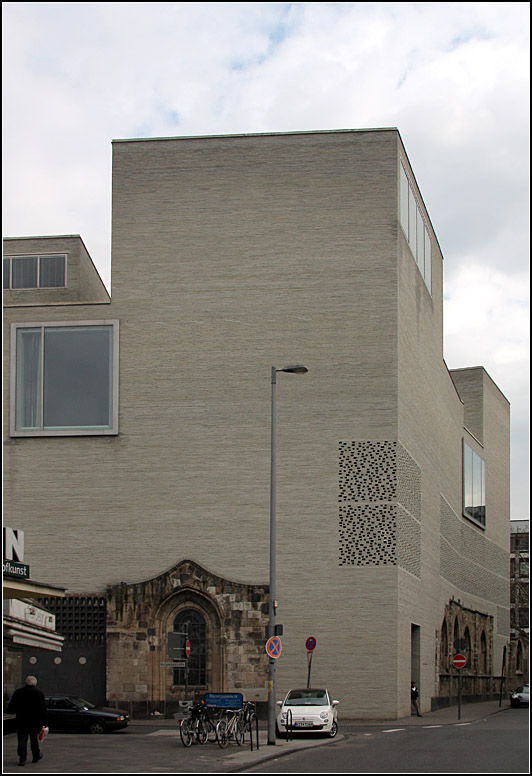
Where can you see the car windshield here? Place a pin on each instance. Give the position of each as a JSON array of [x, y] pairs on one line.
[[307, 698], [82, 703]]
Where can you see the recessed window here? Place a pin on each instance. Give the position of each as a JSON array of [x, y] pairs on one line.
[[190, 625], [414, 227], [474, 485], [25, 272], [64, 379]]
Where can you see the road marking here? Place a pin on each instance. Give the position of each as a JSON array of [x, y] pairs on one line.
[[461, 724], [394, 730], [428, 727]]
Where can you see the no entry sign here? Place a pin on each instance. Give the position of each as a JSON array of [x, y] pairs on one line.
[[187, 648], [459, 661]]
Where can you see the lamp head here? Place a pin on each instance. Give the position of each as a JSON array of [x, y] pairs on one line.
[[296, 369]]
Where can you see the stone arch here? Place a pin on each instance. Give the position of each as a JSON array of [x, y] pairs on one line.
[[140, 615]]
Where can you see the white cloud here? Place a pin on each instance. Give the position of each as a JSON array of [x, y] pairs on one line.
[[453, 77]]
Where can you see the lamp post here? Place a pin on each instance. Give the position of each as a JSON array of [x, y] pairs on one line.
[[297, 369]]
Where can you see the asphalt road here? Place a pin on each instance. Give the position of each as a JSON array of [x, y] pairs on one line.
[[498, 744], [487, 742]]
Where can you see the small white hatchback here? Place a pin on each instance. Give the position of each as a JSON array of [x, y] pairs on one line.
[[308, 711]]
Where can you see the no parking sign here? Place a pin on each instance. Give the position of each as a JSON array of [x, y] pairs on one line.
[[274, 647], [310, 643]]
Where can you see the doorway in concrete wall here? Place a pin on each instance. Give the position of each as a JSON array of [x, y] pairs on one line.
[[415, 653]]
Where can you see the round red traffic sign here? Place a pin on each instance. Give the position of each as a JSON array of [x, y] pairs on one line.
[[459, 661], [274, 647], [187, 648], [310, 643]]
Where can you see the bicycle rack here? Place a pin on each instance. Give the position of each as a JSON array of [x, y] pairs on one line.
[[253, 719], [289, 725]]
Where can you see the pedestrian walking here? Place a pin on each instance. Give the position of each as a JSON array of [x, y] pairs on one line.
[[414, 697], [29, 706]]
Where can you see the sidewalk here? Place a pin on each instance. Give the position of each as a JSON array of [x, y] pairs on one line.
[[469, 712]]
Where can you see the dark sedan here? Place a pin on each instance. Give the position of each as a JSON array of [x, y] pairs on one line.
[[69, 712]]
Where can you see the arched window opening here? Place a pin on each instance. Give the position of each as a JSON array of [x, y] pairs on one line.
[[190, 624], [483, 654], [444, 647], [456, 633], [468, 651]]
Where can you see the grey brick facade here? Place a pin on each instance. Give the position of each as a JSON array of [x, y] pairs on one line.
[[230, 255]]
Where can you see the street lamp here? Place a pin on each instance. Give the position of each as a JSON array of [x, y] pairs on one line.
[[297, 369]]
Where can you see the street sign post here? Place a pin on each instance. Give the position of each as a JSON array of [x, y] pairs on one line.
[[310, 644], [459, 661]]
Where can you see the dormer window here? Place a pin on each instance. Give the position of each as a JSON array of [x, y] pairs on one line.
[[24, 272]]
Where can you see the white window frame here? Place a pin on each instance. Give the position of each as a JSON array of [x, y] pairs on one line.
[[66, 431]]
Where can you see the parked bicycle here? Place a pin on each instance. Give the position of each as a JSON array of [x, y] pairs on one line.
[[197, 726], [230, 727], [248, 715]]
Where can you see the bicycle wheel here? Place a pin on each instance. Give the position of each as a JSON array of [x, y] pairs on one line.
[[240, 730], [186, 733], [202, 731], [222, 733]]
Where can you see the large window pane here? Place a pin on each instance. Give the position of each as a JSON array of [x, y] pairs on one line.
[[65, 379], [78, 377], [24, 272], [420, 238], [52, 271], [7, 273], [468, 480], [403, 199], [474, 485], [412, 222], [28, 380], [428, 261]]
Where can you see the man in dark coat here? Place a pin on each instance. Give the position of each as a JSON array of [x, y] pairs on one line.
[[414, 697], [29, 705]]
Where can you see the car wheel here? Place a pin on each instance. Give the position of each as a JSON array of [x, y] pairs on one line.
[[96, 727], [334, 729]]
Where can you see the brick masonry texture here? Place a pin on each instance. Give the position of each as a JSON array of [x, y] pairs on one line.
[[230, 255]]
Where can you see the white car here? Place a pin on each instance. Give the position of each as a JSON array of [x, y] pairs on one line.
[[308, 711], [520, 696]]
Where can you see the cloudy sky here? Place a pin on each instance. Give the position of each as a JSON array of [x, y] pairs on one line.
[[452, 77]]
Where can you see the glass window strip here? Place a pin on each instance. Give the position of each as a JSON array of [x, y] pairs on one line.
[[474, 485], [414, 227], [35, 271]]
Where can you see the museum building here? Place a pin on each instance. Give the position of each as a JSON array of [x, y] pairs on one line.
[[137, 433]]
